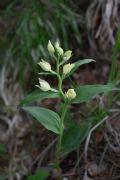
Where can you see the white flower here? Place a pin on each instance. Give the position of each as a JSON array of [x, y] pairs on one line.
[[59, 49], [50, 48], [44, 85], [67, 55], [67, 68], [45, 65], [70, 94]]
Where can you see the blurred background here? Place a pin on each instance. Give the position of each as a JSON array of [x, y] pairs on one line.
[[91, 30]]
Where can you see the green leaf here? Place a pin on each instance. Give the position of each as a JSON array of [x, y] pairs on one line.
[[3, 148], [117, 43], [3, 177], [78, 64], [38, 96], [49, 119], [86, 92], [39, 175], [74, 136]]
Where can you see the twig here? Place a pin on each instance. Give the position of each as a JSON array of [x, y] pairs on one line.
[[44, 151], [117, 177], [89, 135]]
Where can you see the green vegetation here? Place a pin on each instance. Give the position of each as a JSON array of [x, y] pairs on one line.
[[72, 138], [34, 23], [71, 106]]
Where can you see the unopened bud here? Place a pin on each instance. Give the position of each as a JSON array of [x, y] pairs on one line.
[[70, 94], [59, 49], [44, 85], [67, 55], [50, 48], [67, 68], [45, 65]]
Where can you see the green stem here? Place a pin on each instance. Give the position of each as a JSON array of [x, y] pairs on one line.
[[60, 87], [59, 142], [58, 148], [113, 68], [112, 77], [59, 80]]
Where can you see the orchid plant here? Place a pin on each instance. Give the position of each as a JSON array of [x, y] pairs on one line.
[[61, 58], [51, 120]]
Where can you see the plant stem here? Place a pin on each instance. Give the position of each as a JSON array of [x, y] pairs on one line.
[[113, 68], [112, 77], [59, 80], [59, 142], [116, 51], [58, 148], [60, 87]]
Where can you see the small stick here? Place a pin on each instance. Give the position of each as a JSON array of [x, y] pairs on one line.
[[89, 135], [44, 152]]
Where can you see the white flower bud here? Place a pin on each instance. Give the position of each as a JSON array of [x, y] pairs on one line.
[[44, 85], [59, 49], [45, 65], [50, 48], [67, 55], [70, 94], [67, 68]]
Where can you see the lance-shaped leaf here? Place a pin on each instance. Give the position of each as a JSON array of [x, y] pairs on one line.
[[86, 92], [74, 136], [78, 64], [38, 96], [49, 119]]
